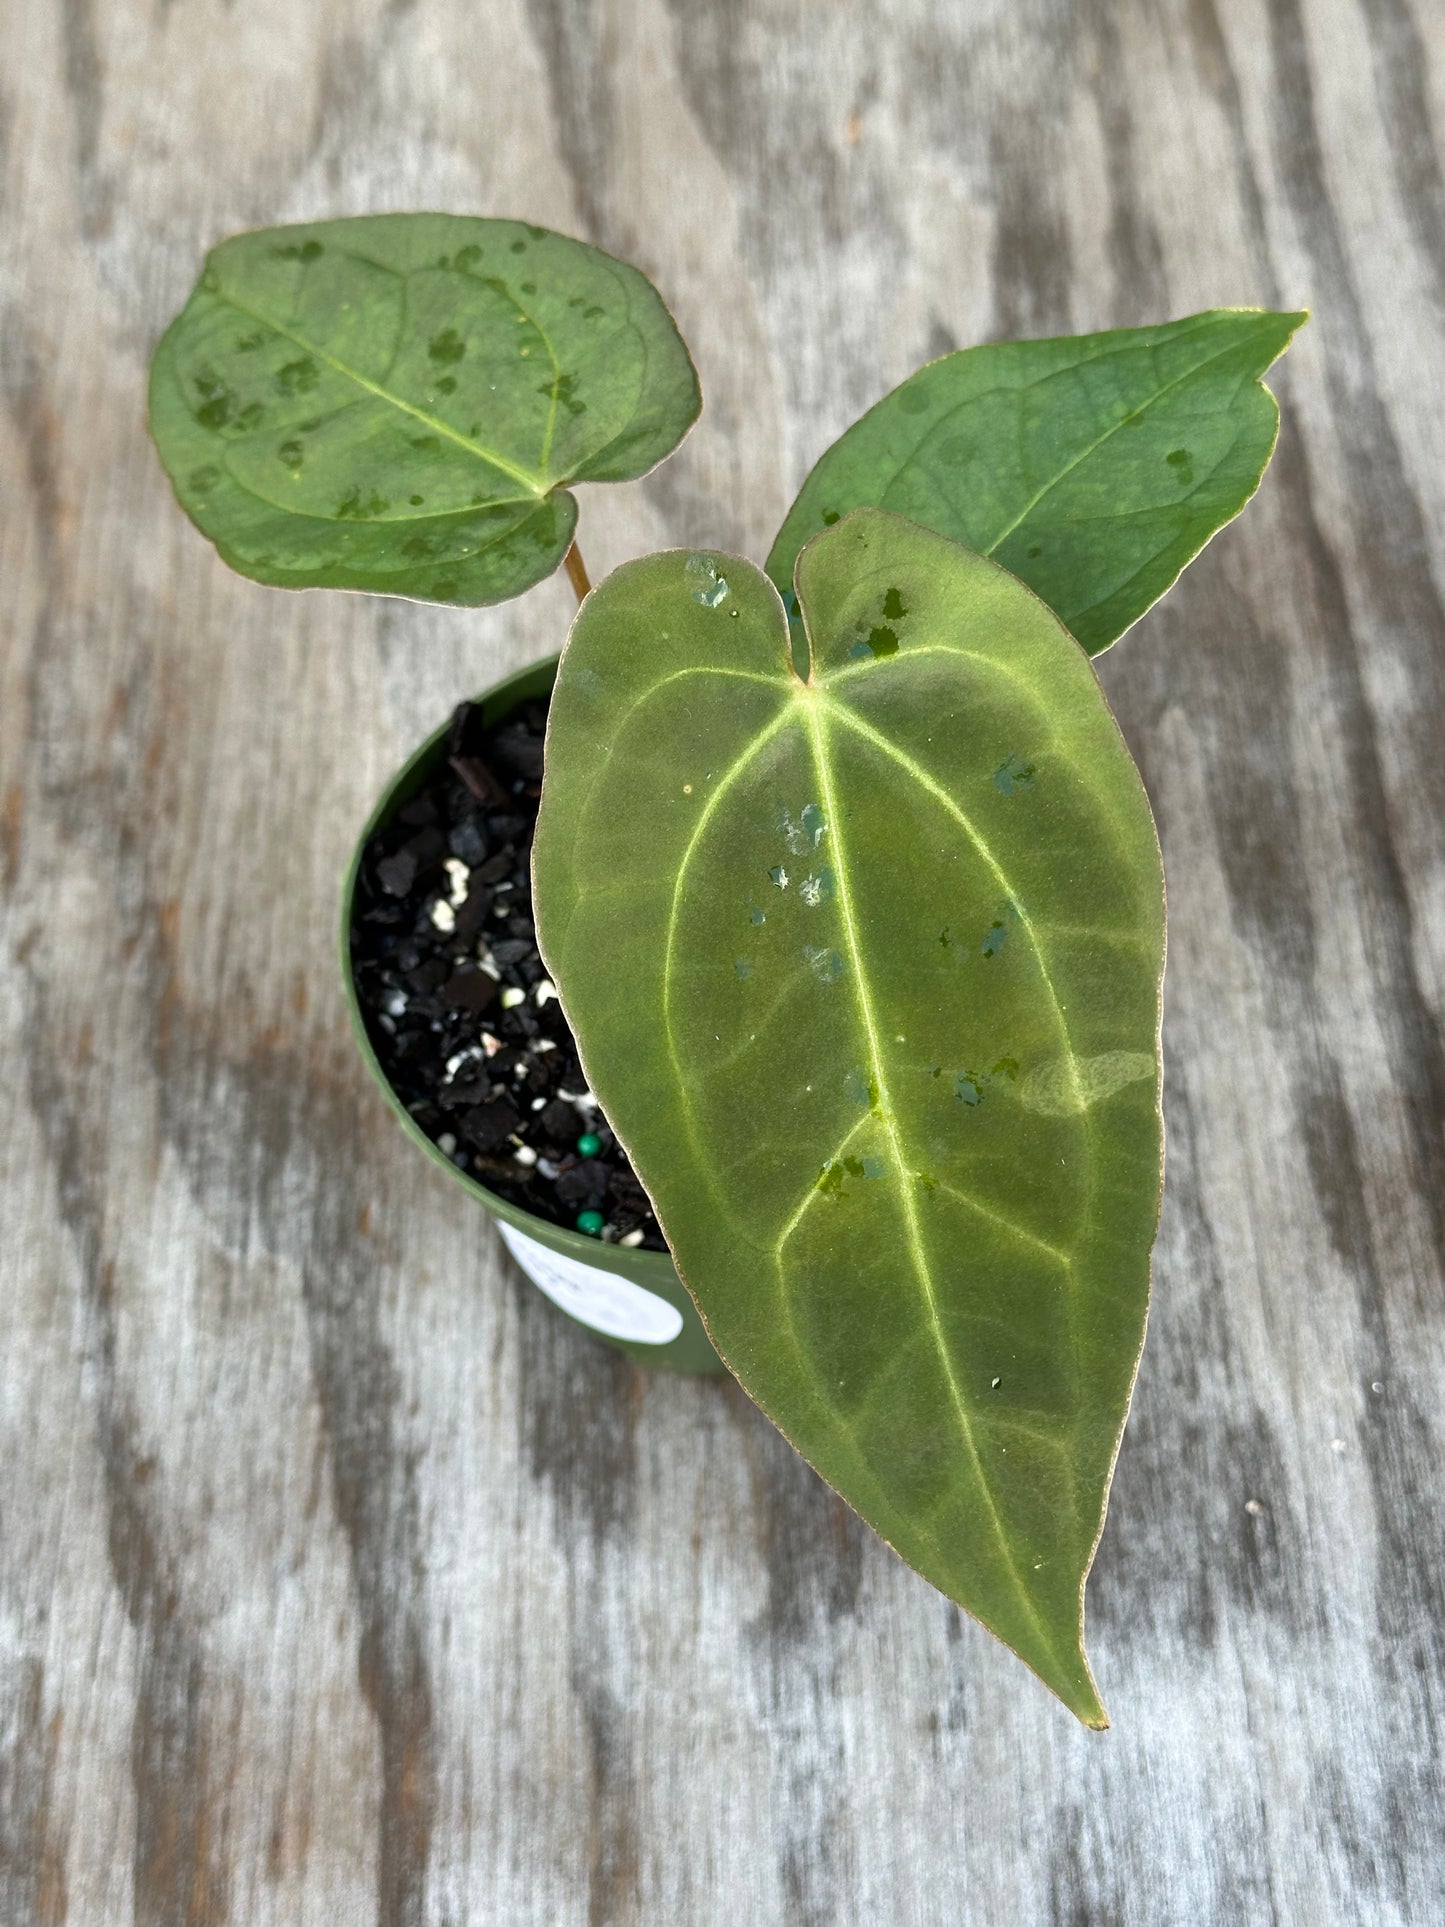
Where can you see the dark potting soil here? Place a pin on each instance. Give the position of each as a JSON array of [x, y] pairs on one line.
[[460, 1011]]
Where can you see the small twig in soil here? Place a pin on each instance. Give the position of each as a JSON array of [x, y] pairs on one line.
[[467, 772]]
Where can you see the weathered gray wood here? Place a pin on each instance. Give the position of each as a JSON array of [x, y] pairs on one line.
[[341, 1579]]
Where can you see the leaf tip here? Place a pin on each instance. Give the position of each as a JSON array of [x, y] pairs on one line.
[[1081, 1697], [1063, 1666], [1089, 1708]]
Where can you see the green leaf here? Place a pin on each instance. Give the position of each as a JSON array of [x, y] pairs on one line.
[[398, 403], [1094, 466], [865, 973]]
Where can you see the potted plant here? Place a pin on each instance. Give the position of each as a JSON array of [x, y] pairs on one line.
[[818, 942]]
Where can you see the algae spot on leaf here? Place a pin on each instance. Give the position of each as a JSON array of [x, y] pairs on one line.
[[861, 1088], [834, 1176], [356, 507], [562, 389], [1014, 774], [446, 347], [297, 377], [216, 412]]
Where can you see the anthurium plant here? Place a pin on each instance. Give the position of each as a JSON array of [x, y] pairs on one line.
[[843, 871]]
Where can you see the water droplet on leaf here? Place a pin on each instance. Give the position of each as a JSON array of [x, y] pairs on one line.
[[708, 587], [826, 965]]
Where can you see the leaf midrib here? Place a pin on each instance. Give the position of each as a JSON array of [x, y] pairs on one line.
[[802, 707], [799, 700], [527, 505], [1062, 474], [475, 449], [918, 1255]]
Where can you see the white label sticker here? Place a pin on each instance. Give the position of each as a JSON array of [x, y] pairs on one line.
[[597, 1298]]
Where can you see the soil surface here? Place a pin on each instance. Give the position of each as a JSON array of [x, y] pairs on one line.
[[460, 1011]]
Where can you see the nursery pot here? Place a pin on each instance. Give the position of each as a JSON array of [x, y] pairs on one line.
[[632, 1298]]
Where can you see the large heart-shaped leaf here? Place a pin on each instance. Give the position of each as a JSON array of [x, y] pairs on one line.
[[1093, 466], [865, 972], [398, 402]]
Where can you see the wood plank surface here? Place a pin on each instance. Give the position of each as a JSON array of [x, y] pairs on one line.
[[341, 1578]]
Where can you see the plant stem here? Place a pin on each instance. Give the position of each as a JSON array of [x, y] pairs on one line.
[[576, 571]]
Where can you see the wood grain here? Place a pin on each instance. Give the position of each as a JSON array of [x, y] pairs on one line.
[[342, 1579]]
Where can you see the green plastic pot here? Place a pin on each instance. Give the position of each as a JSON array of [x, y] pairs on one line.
[[633, 1299]]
